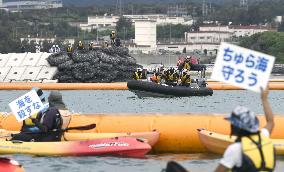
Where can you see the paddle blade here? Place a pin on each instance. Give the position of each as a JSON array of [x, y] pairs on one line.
[[86, 127], [173, 166]]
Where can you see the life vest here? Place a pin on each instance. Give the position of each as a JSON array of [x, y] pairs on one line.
[[137, 76], [155, 78], [185, 79], [113, 36], [40, 116], [69, 49], [258, 154], [186, 65], [28, 122]]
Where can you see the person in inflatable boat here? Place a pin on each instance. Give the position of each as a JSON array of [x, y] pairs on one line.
[[45, 125], [253, 150]]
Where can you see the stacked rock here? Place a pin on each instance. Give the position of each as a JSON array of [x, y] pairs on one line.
[[113, 64]]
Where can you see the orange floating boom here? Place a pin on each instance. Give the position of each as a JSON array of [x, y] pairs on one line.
[[222, 86], [110, 86], [178, 131], [65, 86]]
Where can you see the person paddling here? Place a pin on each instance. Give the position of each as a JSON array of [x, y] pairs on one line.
[[45, 125], [253, 151]]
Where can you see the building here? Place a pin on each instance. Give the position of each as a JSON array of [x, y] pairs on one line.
[[278, 19], [17, 6], [237, 30], [102, 21], [1, 3], [211, 37], [110, 21], [145, 37]]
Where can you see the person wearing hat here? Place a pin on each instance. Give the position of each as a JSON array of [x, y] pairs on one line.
[[80, 46], [45, 125], [112, 37], [138, 75], [253, 150]]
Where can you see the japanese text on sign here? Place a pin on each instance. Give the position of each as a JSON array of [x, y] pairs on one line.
[[26, 105], [242, 67]]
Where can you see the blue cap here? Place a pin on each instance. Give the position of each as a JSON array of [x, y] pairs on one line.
[[243, 118]]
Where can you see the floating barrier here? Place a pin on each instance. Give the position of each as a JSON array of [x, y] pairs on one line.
[[270, 80], [221, 86], [65, 86], [178, 132], [110, 86]]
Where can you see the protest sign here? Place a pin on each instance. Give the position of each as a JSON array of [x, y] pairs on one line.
[[242, 67], [26, 105]]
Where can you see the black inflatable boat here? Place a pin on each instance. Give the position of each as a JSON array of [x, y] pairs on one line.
[[151, 88]]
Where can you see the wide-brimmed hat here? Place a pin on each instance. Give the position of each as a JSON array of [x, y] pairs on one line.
[[244, 118], [55, 100]]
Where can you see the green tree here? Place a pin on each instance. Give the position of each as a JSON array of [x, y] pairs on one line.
[[271, 43], [124, 28]]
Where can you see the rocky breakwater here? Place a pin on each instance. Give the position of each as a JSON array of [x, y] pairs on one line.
[[113, 64]]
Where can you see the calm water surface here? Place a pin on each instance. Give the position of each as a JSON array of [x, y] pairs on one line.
[[128, 102]]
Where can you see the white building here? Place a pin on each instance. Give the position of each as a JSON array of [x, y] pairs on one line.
[[237, 30], [243, 31], [278, 19], [102, 21], [17, 6], [211, 37], [162, 19], [1, 3], [110, 21], [146, 33], [189, 47]]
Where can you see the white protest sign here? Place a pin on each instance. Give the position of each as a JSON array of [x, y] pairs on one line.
[[242, 67], [26, 105]]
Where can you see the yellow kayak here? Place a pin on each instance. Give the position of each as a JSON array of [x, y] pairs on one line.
[[152, 137], [217, 143]]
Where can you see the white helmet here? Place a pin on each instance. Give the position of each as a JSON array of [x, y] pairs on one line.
[[53, 45], [139, 69], [56, 46]]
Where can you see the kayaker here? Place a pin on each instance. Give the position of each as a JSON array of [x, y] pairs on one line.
[[253, 150], [44, 126]]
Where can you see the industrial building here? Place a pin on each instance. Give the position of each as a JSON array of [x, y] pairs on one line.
[[18, 5], [108, 21]]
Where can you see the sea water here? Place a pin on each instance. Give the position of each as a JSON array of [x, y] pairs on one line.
[[127, 102]]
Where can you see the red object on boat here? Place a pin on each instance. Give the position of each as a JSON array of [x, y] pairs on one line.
[[119, 146], [10, 165]]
